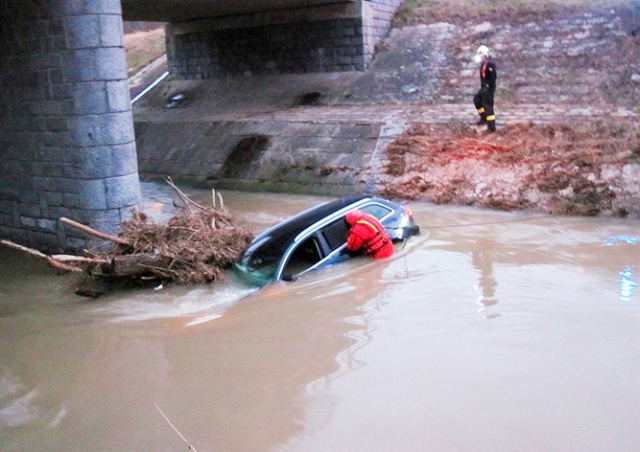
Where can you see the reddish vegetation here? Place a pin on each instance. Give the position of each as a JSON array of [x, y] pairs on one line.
[[554, 168]]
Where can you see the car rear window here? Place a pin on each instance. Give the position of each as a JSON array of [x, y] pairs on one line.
[[377, 210]]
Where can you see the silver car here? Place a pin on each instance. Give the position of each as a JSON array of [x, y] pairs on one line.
[[316, 238]]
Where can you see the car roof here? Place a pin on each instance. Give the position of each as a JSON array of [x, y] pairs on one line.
[[290, 228]]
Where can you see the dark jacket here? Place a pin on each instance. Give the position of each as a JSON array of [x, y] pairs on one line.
[[488, 75]]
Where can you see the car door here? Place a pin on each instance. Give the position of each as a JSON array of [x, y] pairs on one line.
[[332, 239], [300, 257], [324, 246]]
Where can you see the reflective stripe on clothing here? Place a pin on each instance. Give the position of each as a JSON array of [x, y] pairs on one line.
[[375, 243], [367, 234]]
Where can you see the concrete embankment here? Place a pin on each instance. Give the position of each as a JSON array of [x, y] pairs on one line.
[[271, 155], [327, 133]]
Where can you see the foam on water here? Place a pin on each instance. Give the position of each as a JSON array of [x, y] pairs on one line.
[[172, 302]]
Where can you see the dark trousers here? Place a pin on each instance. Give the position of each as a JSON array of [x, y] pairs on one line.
[[483, 100]]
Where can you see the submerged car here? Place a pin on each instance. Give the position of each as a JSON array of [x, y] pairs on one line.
[[316, 238]]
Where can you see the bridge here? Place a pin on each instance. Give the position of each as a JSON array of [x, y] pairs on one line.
[[67, 138], [178, 11]]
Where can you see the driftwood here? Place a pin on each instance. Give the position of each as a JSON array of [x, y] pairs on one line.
[[188, 202], [93, 232], [63, 267], [137, 264], [86, 260], [55, 263], [193, 247]]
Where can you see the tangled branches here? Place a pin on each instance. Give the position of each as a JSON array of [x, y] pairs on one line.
[[193, 247]]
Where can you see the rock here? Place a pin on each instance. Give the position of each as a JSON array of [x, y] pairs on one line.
[[482, 28], [410, 89], [575, 51]]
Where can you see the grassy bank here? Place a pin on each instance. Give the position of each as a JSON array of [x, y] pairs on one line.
[[414, 12], [143, 47]]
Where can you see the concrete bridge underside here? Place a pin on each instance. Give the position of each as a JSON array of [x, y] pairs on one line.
[[67, 140], [172, 11]]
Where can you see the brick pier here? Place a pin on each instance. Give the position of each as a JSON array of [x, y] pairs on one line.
[[67, 145]]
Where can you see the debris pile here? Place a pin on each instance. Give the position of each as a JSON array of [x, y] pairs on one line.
[[554, 168], [192, 247]]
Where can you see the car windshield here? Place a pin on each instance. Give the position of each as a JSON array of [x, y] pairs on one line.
[[263, 256]]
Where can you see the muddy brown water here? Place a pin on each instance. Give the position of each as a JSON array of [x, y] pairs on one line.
[[490, 332]]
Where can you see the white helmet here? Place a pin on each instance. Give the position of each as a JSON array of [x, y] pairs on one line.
[[483, 50]]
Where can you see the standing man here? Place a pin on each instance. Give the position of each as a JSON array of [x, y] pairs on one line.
[[367, 233], [483, 99]]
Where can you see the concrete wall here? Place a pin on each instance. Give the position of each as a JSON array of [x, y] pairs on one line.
[[283, 156], [333, 38], [376, 19], [67, 145]]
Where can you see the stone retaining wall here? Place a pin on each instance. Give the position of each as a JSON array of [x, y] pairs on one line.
[[284, 156], [324, 39], [377, 16]]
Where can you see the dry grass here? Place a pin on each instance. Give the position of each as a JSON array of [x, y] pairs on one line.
[[556, 168], [143, 47], [414, 12]]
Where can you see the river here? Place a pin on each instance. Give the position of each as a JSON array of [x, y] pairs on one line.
[[491, 331]]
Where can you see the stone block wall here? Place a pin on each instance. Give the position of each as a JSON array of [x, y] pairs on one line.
[[338, 38], [376, 17], [329, 158], [67, 144], [322, 46]]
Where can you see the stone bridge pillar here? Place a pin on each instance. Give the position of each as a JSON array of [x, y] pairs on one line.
[[67, 145]]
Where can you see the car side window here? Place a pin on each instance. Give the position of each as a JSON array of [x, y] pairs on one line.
[[335, 234], [376, 210], [304, 256]]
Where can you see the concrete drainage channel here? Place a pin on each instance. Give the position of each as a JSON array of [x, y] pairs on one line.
[[323, 158]]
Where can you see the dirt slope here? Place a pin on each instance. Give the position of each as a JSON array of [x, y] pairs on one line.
[[586, 165]]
